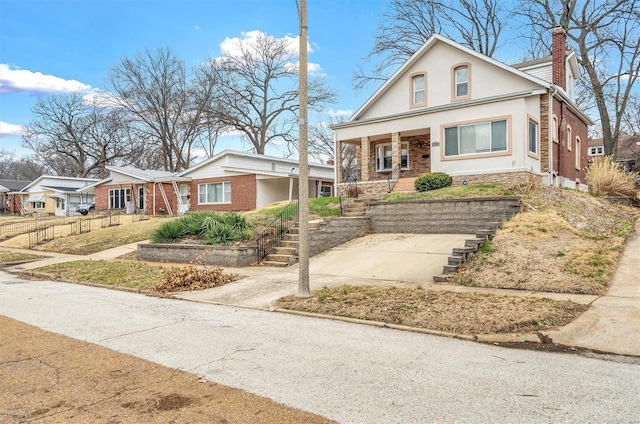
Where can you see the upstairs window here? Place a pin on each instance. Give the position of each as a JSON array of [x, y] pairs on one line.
[[419, 90], [554, 128], [461, 88], [596, 151]]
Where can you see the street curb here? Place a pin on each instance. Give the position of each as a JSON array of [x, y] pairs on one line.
[[51, 277]]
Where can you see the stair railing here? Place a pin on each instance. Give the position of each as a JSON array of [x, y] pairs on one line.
[[348, 195], [395, 175], [276, 229]]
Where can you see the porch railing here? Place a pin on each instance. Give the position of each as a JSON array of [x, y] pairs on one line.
[[276, 229]]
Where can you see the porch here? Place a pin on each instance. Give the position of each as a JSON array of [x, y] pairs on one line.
[[384, 159]]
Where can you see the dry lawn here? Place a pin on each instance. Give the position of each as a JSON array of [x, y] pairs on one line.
[[96, 240], [8, 257], [460, 313], [564, 242]]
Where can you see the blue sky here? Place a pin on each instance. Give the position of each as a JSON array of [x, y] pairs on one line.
[[49, 46]]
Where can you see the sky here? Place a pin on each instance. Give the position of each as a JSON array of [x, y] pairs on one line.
[[58, 46]]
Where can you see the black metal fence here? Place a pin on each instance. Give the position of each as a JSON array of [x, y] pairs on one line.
[[140, 216], [18, 227], [80, 226], [348, 193], [276, 229], [110, 220], [40, 235]]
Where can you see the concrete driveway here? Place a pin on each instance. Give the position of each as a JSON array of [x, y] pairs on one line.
[[376, 259]]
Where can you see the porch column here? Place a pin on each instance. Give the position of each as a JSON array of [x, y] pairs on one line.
[[337, 163], [395, 154], [364, 159]]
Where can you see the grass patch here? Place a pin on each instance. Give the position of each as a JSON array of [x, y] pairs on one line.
[[8, 257], [461, 313], [110, 273], [475, 190]]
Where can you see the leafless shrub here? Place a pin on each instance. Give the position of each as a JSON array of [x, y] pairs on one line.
[[607, 178]]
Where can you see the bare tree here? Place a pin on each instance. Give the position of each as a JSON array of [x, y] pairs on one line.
[[606, 36], [631, 117], [408, 24], [256, 91], [154, 88], [321, 147], [75, 138]]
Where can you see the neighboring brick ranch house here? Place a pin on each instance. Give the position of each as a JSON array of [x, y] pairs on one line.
[[228, 181], [10, 200], [454, 110], [628, 150], [53, 195]]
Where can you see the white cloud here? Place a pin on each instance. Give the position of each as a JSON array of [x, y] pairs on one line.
[[100, 98], [8, 130], [233, 46], [197, 27], [22, 80], [312, 68], [339, 112]]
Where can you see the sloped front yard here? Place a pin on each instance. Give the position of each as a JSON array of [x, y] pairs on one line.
[[564, 242]]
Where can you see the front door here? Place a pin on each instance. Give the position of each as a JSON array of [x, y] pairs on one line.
[[183, 206], [141, 198]]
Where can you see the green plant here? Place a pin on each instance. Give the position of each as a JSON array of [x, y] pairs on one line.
[[225, 234], [169, 232], [432, 181], [237, 221]]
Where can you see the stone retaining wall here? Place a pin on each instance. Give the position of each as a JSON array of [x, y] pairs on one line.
[[334, 232], [230, 256], [444, 216]]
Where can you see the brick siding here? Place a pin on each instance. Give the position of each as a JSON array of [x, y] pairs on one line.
[[243, 194]]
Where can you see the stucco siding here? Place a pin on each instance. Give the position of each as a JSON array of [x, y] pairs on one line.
[[273, 190]]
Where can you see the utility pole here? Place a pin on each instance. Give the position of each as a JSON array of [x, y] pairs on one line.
[[303, 178]]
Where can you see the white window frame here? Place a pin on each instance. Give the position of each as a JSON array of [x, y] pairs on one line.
[[323, 189], [569, 138], [420, 89], [535, 142], [578, 148], [123, 195], [38, 205], [554, 128], [226, 193], [491, 150], [456, 82], [404, 145]]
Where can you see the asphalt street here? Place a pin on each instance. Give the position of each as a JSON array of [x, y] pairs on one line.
[[348, 372]]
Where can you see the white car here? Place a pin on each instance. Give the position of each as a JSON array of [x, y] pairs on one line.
[[85, 208]]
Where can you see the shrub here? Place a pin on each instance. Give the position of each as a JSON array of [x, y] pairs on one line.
[[169, 232], [432, 181], [607, 178], [237, 221], [225, 234]]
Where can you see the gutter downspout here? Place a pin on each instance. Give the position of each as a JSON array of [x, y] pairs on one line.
[[550, 117]]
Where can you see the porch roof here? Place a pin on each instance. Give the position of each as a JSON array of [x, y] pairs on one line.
[[35, 198]]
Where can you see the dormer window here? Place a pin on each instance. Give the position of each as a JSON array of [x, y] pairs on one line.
[[419, 90], [461, 82]]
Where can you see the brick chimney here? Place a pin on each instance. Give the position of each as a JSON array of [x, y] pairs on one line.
[[558, 54]]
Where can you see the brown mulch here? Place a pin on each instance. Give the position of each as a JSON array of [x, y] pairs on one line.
[[50, 378]]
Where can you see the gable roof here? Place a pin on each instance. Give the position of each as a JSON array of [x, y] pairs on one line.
[[14, 185], [75, 181], [266, 158], [432, 41], [148, 175], [570, 57]]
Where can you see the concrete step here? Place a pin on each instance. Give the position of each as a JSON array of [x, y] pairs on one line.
[[289, 244], [358, 207], [353, 214], [276, 257], [291, 237], [450, 269], [275, 264], [456, 260], [281, 250], [494, 225], [442, 278], [476, 242], [485, 234]]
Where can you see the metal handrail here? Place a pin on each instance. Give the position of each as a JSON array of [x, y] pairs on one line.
[[276, 229], [391, 174], [348, 195]]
